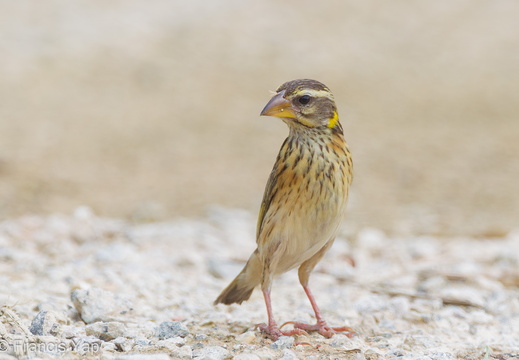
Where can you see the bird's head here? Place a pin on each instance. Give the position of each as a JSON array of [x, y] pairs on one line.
[[304, 102]]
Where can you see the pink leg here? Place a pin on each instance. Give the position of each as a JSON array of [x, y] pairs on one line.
[[321, 326], [272, 328]]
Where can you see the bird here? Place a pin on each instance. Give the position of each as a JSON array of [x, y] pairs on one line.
[[303, 204]]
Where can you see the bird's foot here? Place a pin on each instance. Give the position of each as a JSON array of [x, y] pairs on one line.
[[323, 328], [275, 332]]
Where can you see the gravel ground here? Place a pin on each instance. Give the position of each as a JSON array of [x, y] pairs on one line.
[[81, 285]]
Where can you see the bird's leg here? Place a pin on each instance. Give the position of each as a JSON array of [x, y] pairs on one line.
[[272, 329], [321, 326]]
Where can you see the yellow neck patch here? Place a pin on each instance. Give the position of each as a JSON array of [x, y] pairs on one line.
[[334, 120]]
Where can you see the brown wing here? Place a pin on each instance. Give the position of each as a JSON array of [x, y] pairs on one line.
[[269, 193]]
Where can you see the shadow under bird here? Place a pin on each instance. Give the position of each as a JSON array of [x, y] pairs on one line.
[[303, 204]]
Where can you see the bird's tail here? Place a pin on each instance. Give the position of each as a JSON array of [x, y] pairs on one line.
[[240, 289]]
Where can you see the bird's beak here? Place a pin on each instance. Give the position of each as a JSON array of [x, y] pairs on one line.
[[279, 106]]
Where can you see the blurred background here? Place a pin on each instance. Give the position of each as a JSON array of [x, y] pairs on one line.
[[150, 110]]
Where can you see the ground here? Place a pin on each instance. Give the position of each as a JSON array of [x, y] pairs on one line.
[[106, 288]]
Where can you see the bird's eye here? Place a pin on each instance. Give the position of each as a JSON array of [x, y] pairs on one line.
[[305, 99]]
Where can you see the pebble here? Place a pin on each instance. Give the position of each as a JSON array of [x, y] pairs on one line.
[[144, 357], [200, 336], [106, 331], [288, 355], [184, 352], [340, 340], [170, 343], [442, 356], [108, 346], [71, 331], [124, 344], [44, 323], [95, 304], [266, 353], [247, 356], [284, 342], [169, 329], [247, 337], [87, 345], [211, 353]]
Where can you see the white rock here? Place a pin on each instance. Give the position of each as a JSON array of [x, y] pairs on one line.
[[284, 342], [96, 304], [184, 352], [144, 357], [71, 331], [124, 344], [288, 355], [45, 324], [266, 353], [211, 353], [246, 356], [87, 345], [441, 356], [106, 331], [170, 343], [247, 337], [108, 346], [339, 340], [169, 329]]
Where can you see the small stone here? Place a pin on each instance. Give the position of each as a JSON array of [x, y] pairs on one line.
[[288, 355], [69, 331], [247, 337], [169, 329], [171, 343], [87, 345], [108, 346], [246, 356], [124, 344], [106, 331], [266, 353], [45, 323], [238, 347], [211, 353], [340, 340], [442, 356], [142, 342], [372, 355], [395, 352], [184, 352], [284, 342], [144, 357], [96, 304]]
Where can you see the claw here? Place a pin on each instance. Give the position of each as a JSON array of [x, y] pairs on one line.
[[275, 332], [323, 328], [287, 323]]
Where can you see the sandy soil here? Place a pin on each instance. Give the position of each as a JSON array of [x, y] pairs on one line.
[[98, 287]]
